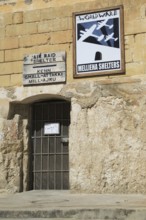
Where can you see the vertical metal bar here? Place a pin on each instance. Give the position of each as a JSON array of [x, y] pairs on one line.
[[34, 177], [34, 186], [47, 163], [62, 145], [48, 153], [55, 152], [41, 152]]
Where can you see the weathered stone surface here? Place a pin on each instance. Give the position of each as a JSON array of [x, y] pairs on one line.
[[26, 155], [7, 68], [4, 108], [46, 26], [106, 142], [108, 121], [109, 142], [32, 16], [11, 149], [36, 39], [9, 43], [17, 18], [21, 29]]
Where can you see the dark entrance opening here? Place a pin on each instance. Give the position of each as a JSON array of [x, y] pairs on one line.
[[50, 153], [98, 56]]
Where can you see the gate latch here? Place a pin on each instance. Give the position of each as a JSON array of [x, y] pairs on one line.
[[64, 140]]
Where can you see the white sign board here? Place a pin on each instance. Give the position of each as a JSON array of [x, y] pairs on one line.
[[44, 68], [51, 128], [98, 40]]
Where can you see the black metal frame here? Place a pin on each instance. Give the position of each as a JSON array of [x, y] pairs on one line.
[[50, 154]]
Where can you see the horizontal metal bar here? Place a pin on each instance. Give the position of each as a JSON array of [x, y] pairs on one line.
[[50, 154], [49, 171]]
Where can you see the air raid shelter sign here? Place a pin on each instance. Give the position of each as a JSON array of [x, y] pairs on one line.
[[44, 68]]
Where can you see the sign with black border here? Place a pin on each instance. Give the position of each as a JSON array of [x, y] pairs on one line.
[[98, 40]]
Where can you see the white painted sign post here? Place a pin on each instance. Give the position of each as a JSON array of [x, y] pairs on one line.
[[44, 68]]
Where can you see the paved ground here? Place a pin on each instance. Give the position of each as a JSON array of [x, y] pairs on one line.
[[55, 204], [46, 200]]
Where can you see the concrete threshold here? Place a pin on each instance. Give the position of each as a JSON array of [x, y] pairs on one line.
[[61, 205]]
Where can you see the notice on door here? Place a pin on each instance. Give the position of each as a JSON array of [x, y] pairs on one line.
[[51, 128], [44, 68]]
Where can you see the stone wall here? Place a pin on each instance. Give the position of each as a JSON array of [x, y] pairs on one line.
[[108, 119], [106, 141], [47, 26], [11, 155], [14, 151]]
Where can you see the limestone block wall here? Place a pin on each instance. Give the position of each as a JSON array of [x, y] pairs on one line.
[[107, 141], [28, 27]]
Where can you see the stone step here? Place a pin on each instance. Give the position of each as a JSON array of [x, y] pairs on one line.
[[74, 214], [47, 218], [58, 205], [64, 214]]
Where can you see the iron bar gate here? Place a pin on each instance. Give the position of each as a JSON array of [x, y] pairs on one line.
[[50, 154]]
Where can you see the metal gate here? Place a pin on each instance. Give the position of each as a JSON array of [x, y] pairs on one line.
[[50, 154]]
